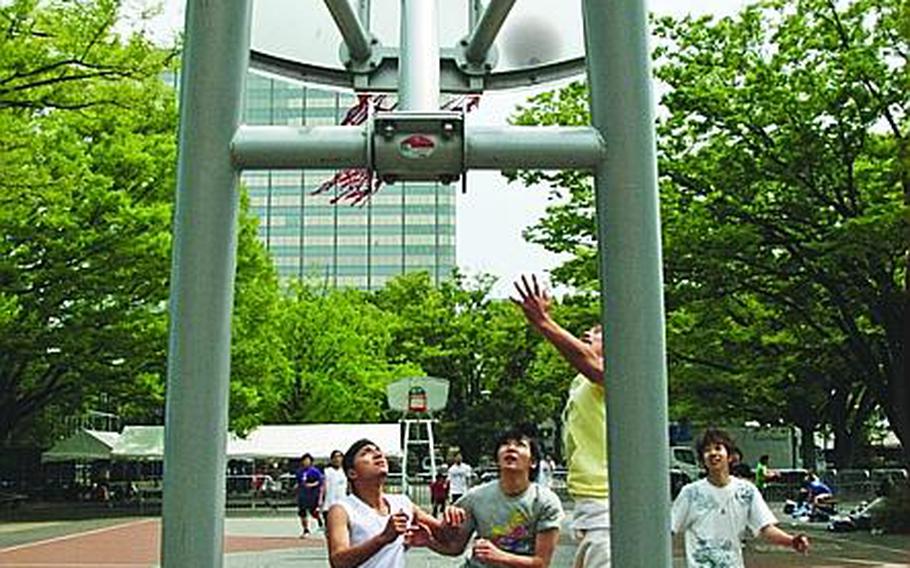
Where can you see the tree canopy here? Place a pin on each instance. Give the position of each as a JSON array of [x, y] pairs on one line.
[[782, 144], [87, 162]]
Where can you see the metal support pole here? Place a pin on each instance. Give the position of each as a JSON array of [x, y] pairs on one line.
[[215, 60], [418, 63], [432, 444], [484, 33], [352, 31], [404, 457], [631, 279]]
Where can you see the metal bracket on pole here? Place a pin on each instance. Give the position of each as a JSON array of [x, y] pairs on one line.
[[477, 55], [358, 43], [418, 146]]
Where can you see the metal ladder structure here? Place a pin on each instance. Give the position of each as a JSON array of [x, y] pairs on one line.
[[412, 437]]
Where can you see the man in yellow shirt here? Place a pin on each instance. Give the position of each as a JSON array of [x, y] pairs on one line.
[[585, 425]]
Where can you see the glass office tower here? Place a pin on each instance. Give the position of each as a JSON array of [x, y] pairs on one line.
[[406, 227]]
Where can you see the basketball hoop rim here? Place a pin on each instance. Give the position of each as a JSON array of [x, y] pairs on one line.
[[341, 79]]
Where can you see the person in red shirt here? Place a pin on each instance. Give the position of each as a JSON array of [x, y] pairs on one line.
[[439, 491]]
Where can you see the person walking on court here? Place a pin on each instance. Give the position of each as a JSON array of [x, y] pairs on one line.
[[763, 472], [585, 426], [439, 493], [309, 489], [335, 485]]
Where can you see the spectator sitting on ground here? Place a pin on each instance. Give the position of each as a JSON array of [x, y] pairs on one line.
[[819, 495]]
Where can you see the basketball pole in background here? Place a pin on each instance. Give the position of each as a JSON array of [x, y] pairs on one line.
[[421, 144]]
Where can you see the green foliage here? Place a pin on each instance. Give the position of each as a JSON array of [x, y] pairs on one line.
[[338, 345], [784, 186], [259, 363], [86, 154], [87, 160], [482, 346]]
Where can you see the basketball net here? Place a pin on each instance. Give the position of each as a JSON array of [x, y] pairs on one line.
[[357, 185]]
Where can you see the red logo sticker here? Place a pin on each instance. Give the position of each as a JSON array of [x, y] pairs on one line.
[[417, 146]]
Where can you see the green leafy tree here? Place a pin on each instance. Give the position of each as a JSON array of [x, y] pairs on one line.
[[455, 331], [784, 187], [87, 161], [338, 345], [86, 154], [259, 360]]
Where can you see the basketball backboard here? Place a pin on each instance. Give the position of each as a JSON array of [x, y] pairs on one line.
[[536, 43], [418, 394]]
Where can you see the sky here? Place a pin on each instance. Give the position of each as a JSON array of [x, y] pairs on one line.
[[491, 216]]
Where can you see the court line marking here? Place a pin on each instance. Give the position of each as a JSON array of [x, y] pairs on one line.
[[74, 535], [877, 563], [872, 545], [58, 565]]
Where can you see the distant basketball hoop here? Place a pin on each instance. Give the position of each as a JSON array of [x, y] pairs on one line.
[[418, 395]]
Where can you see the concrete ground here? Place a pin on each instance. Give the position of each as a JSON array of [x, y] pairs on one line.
[[270, 540]]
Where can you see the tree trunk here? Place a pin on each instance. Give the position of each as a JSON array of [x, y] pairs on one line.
[[899, 392], [844, 448], [807, 446]]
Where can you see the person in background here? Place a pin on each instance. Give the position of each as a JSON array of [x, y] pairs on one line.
[[763, 472], [309, 489], [439, 492], [459, 476], [547, 467], [335, 485], [739, 467], [820, 494]]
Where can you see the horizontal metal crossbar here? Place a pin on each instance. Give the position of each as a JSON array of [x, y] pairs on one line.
[[486, 147]]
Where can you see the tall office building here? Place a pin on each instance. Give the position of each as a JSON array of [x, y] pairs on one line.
[[406, 227]]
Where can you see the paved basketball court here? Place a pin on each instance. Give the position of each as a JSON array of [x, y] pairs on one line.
[[272, 542]]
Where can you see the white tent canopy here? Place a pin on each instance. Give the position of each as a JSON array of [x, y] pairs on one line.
[[140, 442], [84, 445], [272, 441]]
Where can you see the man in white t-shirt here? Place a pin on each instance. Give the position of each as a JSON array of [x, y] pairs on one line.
[[336, 482], [715, 511], [459, 476]]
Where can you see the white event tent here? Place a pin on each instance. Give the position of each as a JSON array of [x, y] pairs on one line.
[[270, 441]]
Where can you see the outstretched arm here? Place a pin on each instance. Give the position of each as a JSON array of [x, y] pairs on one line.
[[535, 304], [774, 535]]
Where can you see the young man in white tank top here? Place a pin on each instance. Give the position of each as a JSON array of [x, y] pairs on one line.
[[370, 528]]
